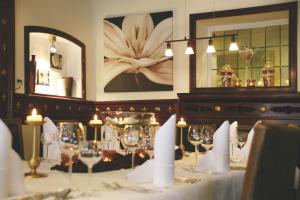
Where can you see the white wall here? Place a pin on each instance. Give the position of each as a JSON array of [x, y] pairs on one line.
[[84, 20], [71, 16]]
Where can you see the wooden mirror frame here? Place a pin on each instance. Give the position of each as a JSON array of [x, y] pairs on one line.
[[290, 7], [47, 30]]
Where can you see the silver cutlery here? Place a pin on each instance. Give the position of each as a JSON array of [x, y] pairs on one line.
[[117, 186], [59, 195]]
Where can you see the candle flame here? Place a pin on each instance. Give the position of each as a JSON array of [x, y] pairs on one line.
[[181, 119], [95, 117], [34, 112]]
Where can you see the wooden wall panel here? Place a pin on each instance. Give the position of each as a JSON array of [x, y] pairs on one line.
[[7, 73]]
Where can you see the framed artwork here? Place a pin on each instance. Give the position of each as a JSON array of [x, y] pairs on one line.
[[42, 77], [55, 61], [134, 47]]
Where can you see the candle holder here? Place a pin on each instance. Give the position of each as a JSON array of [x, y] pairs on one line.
[[34, 162], [96, 126], [181, 126]]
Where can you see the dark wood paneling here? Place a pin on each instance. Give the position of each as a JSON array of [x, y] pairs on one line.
[[163, 108], [246, 109], [53, 107], [7, 72]]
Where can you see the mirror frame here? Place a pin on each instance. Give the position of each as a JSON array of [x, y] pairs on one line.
[[47, 30], [290, 7]]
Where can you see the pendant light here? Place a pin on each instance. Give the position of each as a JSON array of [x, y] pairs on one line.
[[233, 45], [168, 51], [210, 47], [189, 50], [52, 39]]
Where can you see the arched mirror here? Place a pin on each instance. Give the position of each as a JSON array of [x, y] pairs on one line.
[[54, 63], [266, 54]]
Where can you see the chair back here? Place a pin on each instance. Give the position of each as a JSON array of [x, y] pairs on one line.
[[15, 127], [270, 173]]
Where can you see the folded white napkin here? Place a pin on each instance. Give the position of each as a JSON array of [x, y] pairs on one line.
[[161, 168], [11, 173], [52, 133], [234, 150], [218, 158], [246, 148]]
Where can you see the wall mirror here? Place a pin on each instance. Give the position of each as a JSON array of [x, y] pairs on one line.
[[54, 63], [266, 59]]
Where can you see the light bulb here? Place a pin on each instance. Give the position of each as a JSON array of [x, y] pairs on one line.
[[189, 50], [210, 47], [168, 51], [233, 45]]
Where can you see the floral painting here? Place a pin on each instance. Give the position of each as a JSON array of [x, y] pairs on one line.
[[134, 47]]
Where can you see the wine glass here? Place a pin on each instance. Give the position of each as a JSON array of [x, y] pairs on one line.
[[195, 137], [71, 135], [47, 139], [242, 138], [131, 139], [147, 141], [208, 133], [90, 154]]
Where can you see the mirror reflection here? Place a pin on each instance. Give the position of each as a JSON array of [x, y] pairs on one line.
[[55, 65], [263, 56]]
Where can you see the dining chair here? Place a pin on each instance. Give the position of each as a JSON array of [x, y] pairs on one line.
[[15, 127], [271, 167]]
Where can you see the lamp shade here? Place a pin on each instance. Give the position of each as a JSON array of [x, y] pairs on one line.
[[189, 50], [233, 45], [168, 51], [210, 47]]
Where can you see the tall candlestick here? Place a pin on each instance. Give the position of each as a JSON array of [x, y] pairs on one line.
[[35, 121], [181, 124], [96, 123]]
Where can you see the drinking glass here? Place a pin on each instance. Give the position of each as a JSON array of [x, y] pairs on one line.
[[71, 135], [195, 137], [47, 139], [242, 138], [147, 140], [208, 133], [131, 139], [90, 154]]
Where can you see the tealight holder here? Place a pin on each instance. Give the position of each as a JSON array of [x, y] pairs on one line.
[[34, 162], [181, 126], [96, 126]]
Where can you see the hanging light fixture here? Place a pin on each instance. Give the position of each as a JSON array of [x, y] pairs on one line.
[[168, 51], [189, 50], [210, 47], [233, 45], [52, 39]]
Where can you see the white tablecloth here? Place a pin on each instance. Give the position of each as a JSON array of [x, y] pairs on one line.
[[212, 186]]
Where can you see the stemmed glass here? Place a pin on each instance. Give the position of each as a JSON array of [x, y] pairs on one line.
[[208, 133], [147, 141], [71, 135], [47, 139], [90, 154], [131, 139], [195, 137]]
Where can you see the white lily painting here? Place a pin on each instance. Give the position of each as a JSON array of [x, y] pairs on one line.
[[134, 48]]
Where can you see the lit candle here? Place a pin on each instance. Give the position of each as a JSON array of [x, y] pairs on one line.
[[153, 121], [181, 122], [96, 121], [34, 117]]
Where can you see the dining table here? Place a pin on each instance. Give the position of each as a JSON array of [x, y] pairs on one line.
[[189, 183]]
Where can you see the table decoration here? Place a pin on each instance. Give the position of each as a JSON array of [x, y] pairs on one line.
[[181, 124], [247, 55], [35, 121], [226, 75], [268, 73], [97, 123]]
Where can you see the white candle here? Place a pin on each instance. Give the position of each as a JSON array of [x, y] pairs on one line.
[[96, 121], [153, 121], [181, 122], [34, 117]]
